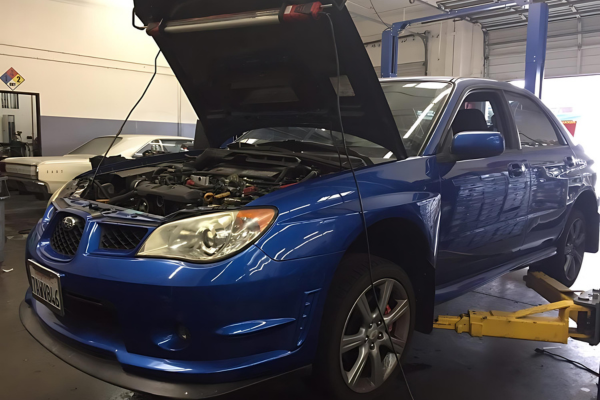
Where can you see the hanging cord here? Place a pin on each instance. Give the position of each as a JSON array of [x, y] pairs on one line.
[[565, 359], [336, 149], [124, 122], [360, 202], [379, 16]]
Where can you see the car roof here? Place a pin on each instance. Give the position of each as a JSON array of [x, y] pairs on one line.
[[449, 79], [149, 137]]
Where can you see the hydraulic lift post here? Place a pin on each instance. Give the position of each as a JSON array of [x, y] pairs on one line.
[[581, 307]]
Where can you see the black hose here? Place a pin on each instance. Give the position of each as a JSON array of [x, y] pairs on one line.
[[312, 174], [118, 199], [102, 189]]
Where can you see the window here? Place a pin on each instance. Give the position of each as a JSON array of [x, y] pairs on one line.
[[415, 107], [534, 127], [164, 146], [486, 108], [96, 146], [10, 101], [479, 112], [482, 111], [150, 149], [176, 146]]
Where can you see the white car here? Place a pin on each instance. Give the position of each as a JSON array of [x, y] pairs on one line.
[[42, 176]]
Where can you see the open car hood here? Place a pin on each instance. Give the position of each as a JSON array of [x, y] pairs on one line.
[[282, 74]]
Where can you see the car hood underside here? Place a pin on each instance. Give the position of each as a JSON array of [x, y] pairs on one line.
[[283, 74]]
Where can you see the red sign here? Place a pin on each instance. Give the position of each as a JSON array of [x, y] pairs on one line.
[[570, 125]]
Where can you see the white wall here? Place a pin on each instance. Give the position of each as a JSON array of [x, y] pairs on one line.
[[86, 61], [90, 65]]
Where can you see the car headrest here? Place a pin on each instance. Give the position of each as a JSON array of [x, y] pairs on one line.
[[469, 120]]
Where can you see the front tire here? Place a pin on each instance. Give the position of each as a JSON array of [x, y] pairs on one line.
[[566, 264], [355, 359]]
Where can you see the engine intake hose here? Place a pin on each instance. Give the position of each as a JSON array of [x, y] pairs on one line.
[[117, 199]]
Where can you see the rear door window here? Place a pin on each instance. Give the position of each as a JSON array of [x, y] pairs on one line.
[[533, 125]]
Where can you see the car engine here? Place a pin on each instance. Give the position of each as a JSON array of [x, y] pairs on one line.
[[217, 178]]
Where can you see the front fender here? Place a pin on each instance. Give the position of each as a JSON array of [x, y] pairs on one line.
[[323, 216]]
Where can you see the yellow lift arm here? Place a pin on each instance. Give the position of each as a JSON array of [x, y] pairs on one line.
[[582, 308]]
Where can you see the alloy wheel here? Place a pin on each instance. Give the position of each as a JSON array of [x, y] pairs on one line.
[[366, 355], [574, 249]]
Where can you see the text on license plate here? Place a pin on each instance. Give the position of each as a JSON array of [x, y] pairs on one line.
[[45, 287]]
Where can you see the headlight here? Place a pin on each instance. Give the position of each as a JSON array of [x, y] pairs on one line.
[[209, 237], [64, 191]]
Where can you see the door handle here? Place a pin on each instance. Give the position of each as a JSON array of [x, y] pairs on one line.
[[516, 169]]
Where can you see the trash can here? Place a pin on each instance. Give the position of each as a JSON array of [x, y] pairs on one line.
[[4, 195]]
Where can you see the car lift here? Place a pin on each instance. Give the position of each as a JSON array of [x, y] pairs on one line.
[[581, 307], [537, 35]]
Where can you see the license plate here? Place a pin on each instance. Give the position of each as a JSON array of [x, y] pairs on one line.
[[45, 287]]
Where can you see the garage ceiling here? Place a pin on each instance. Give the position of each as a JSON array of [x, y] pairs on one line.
[[491, 20]]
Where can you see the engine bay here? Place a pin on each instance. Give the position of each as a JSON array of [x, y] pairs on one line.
[[217, 178]]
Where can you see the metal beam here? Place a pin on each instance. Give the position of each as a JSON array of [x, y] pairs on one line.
[[389, 54], [459, 13], [561, 17], [535, 57]]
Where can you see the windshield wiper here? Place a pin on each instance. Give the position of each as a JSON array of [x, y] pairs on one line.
[[303, 151], [299, 146]]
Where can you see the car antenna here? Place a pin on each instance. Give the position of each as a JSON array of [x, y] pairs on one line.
[[92, 182], [360, 202]]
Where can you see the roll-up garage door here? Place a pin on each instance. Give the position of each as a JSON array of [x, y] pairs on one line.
[[573, 49]]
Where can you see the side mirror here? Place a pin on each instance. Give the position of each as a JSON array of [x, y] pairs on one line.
[[472, 145]]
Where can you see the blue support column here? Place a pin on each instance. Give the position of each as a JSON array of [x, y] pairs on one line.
[[389, 54], [535, 57]]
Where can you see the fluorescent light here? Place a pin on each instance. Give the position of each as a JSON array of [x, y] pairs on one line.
[[432, 85], [410, 85]]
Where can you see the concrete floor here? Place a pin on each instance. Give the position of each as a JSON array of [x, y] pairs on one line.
[[442, 365]]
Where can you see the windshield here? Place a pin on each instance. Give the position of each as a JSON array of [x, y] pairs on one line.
[[415, 107], [373, 151], [96, 146]]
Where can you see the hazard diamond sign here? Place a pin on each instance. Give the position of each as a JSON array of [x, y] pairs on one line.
[[12, 79]]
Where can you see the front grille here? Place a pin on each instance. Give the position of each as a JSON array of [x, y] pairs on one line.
[[67, 234], [121, 237]]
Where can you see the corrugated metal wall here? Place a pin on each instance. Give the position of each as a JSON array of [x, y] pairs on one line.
[[408, 69], [568, 53]]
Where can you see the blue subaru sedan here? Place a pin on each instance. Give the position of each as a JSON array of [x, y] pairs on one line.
[[190, 275]]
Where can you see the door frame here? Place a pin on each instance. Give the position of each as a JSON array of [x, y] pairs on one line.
[[38, 113]]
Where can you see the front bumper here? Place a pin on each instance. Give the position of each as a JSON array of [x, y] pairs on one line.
[[28, 184], [110, 370], [247, 317]]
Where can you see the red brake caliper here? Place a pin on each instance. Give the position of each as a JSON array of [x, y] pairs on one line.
[[387, 311]]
